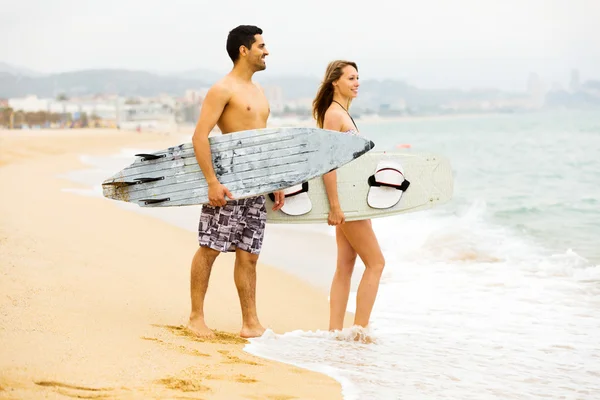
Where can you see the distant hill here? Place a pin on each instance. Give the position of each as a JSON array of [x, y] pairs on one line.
[[18, 71], [88, 82], [374, 94], [204, 75], [142, 83], [564, 99]]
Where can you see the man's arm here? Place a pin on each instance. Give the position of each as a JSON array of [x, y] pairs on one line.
[[212, 107]]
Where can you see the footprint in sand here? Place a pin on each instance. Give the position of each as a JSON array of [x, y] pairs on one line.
[[235, 359], [220, 337], [181, 349], [185, 385], [244, 379], [194, 379], [80, 392]]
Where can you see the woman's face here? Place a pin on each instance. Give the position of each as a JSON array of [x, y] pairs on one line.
[[348, 84]]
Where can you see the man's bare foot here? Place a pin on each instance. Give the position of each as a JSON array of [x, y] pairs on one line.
[[251, 331], [198, 327]]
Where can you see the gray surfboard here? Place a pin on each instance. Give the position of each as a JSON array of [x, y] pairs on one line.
[[248, 163]]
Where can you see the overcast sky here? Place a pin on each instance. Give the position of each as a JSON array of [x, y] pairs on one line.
[[430, 43]]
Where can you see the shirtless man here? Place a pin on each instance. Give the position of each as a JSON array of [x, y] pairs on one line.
[[235, 103]]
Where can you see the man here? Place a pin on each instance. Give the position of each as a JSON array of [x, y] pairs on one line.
[[235, 103]]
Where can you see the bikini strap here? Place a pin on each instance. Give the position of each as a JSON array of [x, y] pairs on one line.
[[347, 113]]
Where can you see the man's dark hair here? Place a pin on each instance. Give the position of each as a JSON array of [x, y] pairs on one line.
[[242, 35]]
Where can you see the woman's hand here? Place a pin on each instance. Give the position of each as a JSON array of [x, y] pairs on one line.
[[336, 216]]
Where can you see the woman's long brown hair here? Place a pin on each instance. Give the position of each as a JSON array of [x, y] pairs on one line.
[[325, 94]]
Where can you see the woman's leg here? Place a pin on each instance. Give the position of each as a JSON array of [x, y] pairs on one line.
[[340, 286], [360, 235]]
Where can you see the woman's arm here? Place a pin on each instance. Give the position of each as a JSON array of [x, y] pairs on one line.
[[333, 121]]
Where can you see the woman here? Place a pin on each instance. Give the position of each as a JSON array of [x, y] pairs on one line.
[[330, 109]]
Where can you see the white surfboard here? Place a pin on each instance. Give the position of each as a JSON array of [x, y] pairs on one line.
[[378, 184], [248, 163]]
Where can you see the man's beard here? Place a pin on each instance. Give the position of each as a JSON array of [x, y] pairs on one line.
[[260, 66]]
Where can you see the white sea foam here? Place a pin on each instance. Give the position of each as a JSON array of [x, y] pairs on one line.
[[466, 310]]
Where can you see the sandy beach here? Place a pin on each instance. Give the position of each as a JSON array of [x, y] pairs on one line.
[[94, 298]]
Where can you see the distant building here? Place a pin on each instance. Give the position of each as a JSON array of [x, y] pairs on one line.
[[575, 84], [195, 96], [28, 104], [275, 96], [535, 88], [148, 115], [302, 103]]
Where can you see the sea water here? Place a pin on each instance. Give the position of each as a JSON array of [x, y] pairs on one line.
[[495, 295]]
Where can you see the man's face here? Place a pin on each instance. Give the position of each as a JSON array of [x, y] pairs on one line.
[[257, 54]]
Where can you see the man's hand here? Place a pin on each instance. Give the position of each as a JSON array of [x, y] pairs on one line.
[[217, 193], [279, 200]]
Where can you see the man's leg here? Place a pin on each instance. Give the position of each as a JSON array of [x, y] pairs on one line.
[[201, 266], [244, 275]]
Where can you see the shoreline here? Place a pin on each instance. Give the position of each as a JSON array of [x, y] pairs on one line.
[[94, 304]]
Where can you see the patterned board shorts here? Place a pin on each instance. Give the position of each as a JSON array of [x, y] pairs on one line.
[[238, 224]]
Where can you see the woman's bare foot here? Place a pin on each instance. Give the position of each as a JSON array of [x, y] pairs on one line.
[[199, 328]]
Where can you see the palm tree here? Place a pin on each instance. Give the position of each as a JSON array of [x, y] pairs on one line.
[[63, 99]]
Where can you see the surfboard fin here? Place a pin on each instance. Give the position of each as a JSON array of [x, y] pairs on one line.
[[154, 201], [146, 180], [136, 181], [148, 157]]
